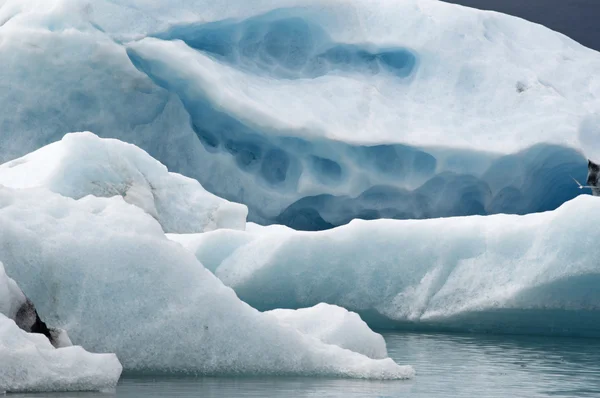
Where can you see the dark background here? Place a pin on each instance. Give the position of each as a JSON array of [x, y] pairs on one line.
[[578, 19]]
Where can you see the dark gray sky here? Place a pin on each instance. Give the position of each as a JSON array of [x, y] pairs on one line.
[[578, 19]]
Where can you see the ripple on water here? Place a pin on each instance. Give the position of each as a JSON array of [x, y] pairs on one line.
[[446, 365]]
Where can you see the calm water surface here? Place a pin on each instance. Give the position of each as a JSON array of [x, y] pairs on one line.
[[446, 365]]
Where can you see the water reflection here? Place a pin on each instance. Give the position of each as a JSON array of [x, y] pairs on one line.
[[499, 366], [446, 365]]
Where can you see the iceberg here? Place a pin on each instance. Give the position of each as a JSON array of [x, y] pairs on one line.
[[83, 164], [103, 269], [30, 363], [334, 325], [312, 112], [11, 296], [532, 274], [16, 306]]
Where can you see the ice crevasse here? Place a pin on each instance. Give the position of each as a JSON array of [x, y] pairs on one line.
[[312, 113], [102, 269]]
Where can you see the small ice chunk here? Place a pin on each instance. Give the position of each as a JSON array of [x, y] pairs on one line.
[[29, 363], [334, 325]]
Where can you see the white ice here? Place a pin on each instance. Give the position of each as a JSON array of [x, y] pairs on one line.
[[104, 270], [304, 109], [12, 299], [529, 274], [28, 362], [11, 296], [31, 364], [334, 325], [83, 164]]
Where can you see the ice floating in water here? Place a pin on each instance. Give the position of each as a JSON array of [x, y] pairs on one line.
[[30, 363], [83, 164], [312, 112], [104, 270], [335, 325], [535, 274]]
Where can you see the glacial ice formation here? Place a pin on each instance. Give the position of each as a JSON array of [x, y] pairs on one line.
[[334, 325], [11, 296], [16, 306], [30, 363], [104, 270], [83, 164], [311, 112], [533, 274]]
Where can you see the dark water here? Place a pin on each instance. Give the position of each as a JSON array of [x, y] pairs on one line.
[[446, 365]]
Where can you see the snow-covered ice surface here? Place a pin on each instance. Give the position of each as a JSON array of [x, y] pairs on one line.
[[28, 362], [104, 270], [335, 325], [312, 112], [534, 274], [83, 164]]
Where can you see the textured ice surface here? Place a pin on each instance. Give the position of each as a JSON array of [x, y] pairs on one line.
[[16, 306], [335, 325], [83, 164], [31, 363], [311, 112], [533, 274], [28, 362], [11, 296], [104, 270]]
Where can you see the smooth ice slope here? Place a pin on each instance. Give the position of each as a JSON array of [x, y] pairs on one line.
[[311, 112], [104, 270], [83, 164], [533, 274], [30, 363], [334, 325]]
